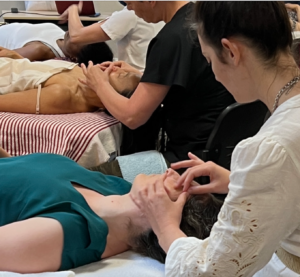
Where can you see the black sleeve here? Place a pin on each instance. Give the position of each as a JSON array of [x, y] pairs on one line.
[[169, 58]]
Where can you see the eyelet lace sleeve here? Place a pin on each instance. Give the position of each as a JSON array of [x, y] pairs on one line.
[[261, 209]]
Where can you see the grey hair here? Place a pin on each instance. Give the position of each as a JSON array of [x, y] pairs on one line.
[[198, 217]]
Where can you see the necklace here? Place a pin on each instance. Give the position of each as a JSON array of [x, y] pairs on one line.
[[286, 89]]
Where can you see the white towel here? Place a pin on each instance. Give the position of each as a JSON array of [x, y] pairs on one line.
[[147, 162], [127, 264], [21, 74]]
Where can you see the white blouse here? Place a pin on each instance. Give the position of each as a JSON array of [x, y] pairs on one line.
[[261, 211]]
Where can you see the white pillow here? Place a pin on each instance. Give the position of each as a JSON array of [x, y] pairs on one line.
[[40, 6]]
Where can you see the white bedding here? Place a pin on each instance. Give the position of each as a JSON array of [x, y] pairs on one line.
[[127, 264]]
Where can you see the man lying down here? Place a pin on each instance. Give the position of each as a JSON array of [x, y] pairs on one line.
[[45, 41], [52, 87]]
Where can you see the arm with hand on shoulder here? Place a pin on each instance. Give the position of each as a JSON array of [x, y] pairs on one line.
[[77, 32]]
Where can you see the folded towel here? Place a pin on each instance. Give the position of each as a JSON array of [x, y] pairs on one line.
[[147, 162]]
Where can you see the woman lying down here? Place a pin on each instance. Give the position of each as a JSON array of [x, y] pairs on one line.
[[57, 215], [52, 87]]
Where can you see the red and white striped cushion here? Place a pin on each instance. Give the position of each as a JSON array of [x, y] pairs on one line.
[[67, 134]]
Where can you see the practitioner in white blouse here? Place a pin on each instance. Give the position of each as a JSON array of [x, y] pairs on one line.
[[258, 228]]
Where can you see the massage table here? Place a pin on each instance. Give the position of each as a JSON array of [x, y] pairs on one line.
[[88, 138], [127, 264]]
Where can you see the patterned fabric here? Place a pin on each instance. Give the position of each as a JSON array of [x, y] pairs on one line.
[[67, 134], [261, 211]]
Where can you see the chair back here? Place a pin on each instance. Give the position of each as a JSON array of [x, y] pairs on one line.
[[235, 123]]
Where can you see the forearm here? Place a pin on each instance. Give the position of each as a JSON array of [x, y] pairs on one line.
[[74, 24], [120, 107], [84, 35], [167, 237]]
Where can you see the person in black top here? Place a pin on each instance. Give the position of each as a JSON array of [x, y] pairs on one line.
[[177, 76]]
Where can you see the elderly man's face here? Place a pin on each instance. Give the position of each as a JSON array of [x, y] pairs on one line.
[[142, 9]]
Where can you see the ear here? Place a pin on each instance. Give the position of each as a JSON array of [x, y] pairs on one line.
[[232, 51]]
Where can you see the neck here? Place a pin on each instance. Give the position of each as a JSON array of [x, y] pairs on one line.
[[170, 8], [61, 44], [270, 81], [117, 211]]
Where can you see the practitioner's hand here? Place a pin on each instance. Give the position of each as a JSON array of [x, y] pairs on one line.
[[219, 176], [122, 65], [73, 8], [163, 214], [6, 53], [295, 8], [95, 76]]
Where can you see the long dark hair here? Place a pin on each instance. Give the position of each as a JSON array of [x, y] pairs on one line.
[[264, 25], [96, 52]]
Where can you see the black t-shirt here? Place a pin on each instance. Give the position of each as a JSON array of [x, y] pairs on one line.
[[195, 98]]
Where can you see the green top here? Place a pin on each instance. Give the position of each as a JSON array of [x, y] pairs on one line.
[[39, 185]]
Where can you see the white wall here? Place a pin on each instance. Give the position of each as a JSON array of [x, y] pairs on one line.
[[7, 5], [100, 6], [107, 6]]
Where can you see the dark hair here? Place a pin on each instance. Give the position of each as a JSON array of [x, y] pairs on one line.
[[265, 25], [95, 52], [198, 217]]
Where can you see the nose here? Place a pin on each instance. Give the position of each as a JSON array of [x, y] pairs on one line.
[[170, 172]]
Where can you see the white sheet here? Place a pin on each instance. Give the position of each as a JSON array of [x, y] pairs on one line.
[[127, 264]]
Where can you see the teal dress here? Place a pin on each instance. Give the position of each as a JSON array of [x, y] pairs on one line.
[[39, 185]]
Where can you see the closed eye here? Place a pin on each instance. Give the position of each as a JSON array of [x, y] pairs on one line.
[[123, 75]]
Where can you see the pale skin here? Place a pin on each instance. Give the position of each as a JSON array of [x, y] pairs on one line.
[[82, 35], [63, 93], [247, 79], [36, 244], [135, 111], [78, 34], [296, 8]]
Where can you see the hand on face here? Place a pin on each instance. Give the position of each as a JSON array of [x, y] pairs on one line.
[[219, 176], [122, 65], [150, 196], [95, 75]]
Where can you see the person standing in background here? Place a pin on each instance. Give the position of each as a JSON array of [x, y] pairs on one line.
[[131, 33]]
